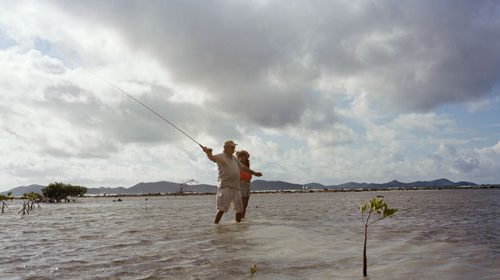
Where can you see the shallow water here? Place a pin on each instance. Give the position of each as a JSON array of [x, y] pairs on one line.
[[441, 234]]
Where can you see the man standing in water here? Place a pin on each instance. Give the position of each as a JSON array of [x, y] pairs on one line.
[[228, 180]]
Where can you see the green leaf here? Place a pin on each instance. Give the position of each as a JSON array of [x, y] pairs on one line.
[[363, 207], [253, 269], [389, 212]]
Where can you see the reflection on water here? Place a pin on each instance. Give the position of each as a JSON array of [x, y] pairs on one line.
[[445, 234]]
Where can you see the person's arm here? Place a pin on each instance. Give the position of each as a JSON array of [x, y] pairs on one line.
[[246, 169], [209, 154]]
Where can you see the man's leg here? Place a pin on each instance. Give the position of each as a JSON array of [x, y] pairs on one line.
[[218, 216]]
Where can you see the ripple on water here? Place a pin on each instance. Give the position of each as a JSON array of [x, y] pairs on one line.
[[295, 236]]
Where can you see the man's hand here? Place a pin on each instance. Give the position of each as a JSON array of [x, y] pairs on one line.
[[207, 150], [258, 174]]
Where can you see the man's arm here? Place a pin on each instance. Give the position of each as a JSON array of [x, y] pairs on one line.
[[209, 154]]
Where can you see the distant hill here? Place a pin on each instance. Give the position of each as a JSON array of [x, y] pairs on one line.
[[18, 191], [315, 186], [154, 187], [350, 185], [169, 187], [261, 185], [257, 185], [107, 190], [397, 184]]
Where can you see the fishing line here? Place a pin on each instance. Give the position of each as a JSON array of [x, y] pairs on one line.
[[147, 107]]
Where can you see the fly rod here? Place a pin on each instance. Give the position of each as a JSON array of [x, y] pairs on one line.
[[152, 111]]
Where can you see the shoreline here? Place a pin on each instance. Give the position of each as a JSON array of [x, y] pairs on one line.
[[293, 191], [257, 192]]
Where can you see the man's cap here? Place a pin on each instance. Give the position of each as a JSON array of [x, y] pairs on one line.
[[238, 153], [230, 143]]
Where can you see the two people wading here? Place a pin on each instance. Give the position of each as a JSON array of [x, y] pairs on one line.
[[228, 180]]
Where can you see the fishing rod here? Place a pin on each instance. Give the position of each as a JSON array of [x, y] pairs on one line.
[[147, 107]]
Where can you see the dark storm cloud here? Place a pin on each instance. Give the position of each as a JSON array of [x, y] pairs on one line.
[[260, 61]]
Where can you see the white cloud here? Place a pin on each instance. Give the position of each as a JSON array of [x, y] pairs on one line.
[[328, 91], [427, 123], [475, 164]]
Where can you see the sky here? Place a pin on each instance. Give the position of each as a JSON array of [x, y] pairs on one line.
[[316, 91]]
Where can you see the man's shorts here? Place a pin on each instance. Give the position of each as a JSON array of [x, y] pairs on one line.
[[226, 196], [245, 188]]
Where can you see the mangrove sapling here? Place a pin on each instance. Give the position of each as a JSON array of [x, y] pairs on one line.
[[29, 205], [4, 205], [253, 269], [4, 198], [374, 206], [33, 198], [26, 208]]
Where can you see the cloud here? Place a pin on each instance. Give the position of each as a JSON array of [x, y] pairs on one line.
[[476, 164], [327, 90], [483, 104], [401, 54], [455, 161], [426, 123]]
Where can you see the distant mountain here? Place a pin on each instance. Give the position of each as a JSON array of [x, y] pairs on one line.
[[350, 185], [464, 183], [154, 187], [257, 185], [107, 190], [435, 183], [397, 184], [260, 185], [317, 186], [18, 191]]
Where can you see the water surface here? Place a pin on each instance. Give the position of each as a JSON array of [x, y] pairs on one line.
[[438, 234]]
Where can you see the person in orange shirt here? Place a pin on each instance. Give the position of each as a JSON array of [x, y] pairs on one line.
[[245, 178]]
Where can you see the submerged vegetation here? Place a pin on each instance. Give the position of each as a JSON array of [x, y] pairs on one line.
[[4, 198], [29, 205], [253, 269], [375, 206], [54, 192]]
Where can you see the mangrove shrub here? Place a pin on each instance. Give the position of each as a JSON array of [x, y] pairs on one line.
[[60, 191], [377, 207]]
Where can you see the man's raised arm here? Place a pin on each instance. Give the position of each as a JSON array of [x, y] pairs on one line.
[[208, 152]]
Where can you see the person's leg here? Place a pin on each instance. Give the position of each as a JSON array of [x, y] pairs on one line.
[[245, 194], [218, 216], [238, 217], [222, 203], [245, 204], [238, 205]]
